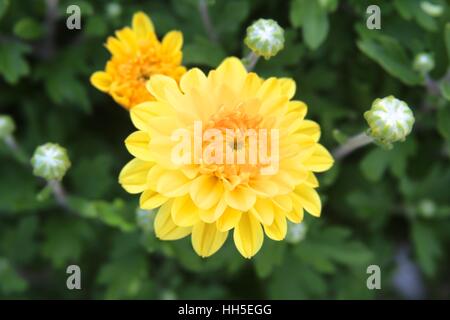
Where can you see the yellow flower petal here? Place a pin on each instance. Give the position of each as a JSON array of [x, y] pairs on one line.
[[288, 87], [194, 78], [240, 198], [133, 176], [141, 113], [128, 38], [206, 239], [263, 210], [206, 191], [165, 228], [309, 199], [115, 47], [231, 68], [184, 212], [138, 144], [251, 86], [263, 187], [248, 236], [229, 219], [283, 201], [309, 128], [311, 181], [277, 230], [101, 80], [150, 200], [172, 42], [321, 160], [173, 184], [142, 25], [270, 89], [162, 87]]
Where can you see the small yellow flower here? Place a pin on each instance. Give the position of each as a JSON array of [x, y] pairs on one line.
[[204, 196], [137, 55]]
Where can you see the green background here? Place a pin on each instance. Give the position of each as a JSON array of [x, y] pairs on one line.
[[388, 208]]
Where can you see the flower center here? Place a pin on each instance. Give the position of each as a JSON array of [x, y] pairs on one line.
[[244, 145]]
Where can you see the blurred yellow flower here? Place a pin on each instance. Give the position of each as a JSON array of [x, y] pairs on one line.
[[137, 55], [206, 196]]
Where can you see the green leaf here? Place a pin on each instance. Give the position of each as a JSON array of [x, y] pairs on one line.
[[391, 56], [92, 176], [427, 247], [270, 256], [410, 9], [374, 164], [19, 242], [28, 29], [330, 246], [13, 64], [64, 88], [116, 213], [443, 121], [315, 24], [296, 280], [124, 278], [10, 281], [296, 13], [445, 89], [96, 26], [125, 275], [64, 240], [203, 52], [4, 4], [447, 39]]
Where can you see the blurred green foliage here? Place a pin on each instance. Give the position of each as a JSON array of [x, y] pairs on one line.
[[375, 201]]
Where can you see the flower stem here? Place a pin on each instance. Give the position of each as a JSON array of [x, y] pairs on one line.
[[353, 143], [206, 19], [250, 61], [59, 193], [17, 151]]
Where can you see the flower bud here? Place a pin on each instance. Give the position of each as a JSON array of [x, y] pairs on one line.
[[427, 208], [50, 161], [265, 38], [113, 9], [390, 120], [423, 63], [7, 126], [432, 9], [296, 232]]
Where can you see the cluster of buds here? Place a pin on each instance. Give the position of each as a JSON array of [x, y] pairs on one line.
[[50, 161], [390, 120]]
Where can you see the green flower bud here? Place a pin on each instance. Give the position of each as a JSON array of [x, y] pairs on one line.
[[265, 38], [50, 161], [145, 219], [434, 10], [7, 126], [296, 232], [113, 9], [423, 63], [427, 208], [390, 120]]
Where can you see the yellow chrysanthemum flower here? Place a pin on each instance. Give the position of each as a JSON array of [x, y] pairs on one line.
[[137, 55], [206, 198]]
